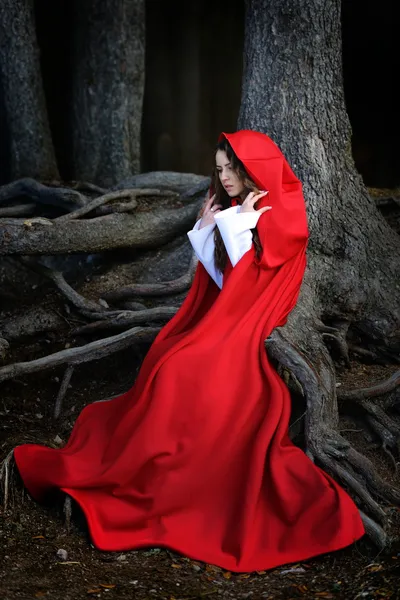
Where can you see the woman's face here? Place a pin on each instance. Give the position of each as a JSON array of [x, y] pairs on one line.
[[227, 176]]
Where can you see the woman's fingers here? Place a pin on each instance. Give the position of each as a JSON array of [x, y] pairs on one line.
[[249, 199], [252, 198], [264, 209], [257, 197], [209, 202]]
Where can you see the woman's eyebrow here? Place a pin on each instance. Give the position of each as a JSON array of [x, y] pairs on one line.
[[227, 165]]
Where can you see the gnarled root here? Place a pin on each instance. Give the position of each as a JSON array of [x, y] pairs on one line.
[[60, 197], [63, 390], [166, 288], [327, 447], [119, 320], [73, 356], [6, 471], [78, 301], [337, 333], [386, 430]]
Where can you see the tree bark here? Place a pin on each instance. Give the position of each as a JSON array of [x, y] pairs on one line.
[[27, 137], [293, 91], [107, 90]]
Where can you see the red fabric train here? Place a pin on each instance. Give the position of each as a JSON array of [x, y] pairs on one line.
[[196, 456]]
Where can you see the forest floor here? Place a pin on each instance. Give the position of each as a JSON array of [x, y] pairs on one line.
[[31, 535]]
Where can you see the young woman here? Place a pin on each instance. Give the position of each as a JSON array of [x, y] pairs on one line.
[[196, 456]]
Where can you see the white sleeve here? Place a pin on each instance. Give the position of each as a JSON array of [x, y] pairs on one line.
[[234, 227], [202, 241]]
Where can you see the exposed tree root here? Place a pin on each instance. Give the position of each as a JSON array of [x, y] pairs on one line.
[[338, 334], [144, 229], [111, 197], [93, 204], [187, 185], [392, 400], [376, 390], [116, 207], [166, 288], [17, 210], [364, 352], [86, 186], [358, 402], [127, 319], [5, 476], [63, 390], [378, 486], [330, 450], [74, 356], [67, 291], [60, 197], [374, 531], [4, 347]]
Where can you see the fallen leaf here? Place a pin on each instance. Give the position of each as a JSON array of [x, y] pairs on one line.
[[227, 575], [261, 572], [175, 566], [107, 586], [94, 591], [301, 588], [38, 537], [40, 594], [210, 568], [68, 562], [324, 595], [375, 568]]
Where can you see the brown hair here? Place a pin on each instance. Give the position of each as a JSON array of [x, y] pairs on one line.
[[223, 198]]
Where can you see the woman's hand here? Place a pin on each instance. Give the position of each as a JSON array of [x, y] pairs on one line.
[[209, 211], [250, 200]]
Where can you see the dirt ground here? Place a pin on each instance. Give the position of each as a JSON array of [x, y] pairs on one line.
[[40, 559]]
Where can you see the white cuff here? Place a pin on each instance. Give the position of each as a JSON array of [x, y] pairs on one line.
[[202, 241], [235, 227]]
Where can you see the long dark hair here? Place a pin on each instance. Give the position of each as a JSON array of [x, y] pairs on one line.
[[223, 198]]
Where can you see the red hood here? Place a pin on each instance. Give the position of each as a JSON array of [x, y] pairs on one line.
[[284, 228]]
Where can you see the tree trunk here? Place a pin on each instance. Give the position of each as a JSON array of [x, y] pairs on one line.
[[107, 90], [25, 126], [293, 91]]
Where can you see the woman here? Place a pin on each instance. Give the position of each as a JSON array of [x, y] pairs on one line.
[[196, 456]]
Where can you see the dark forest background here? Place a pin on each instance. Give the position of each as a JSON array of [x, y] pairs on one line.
[[193, 71]]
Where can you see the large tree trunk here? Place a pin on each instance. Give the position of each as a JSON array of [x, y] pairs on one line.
[[293, 91], [107, 90], [27, 133]]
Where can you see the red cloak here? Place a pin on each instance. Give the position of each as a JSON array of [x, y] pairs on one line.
[[196, 456]]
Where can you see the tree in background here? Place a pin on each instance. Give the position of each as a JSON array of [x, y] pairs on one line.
[[101, 116], [293, 91]]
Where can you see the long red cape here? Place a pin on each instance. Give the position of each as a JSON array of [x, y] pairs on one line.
[[196, 456]]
